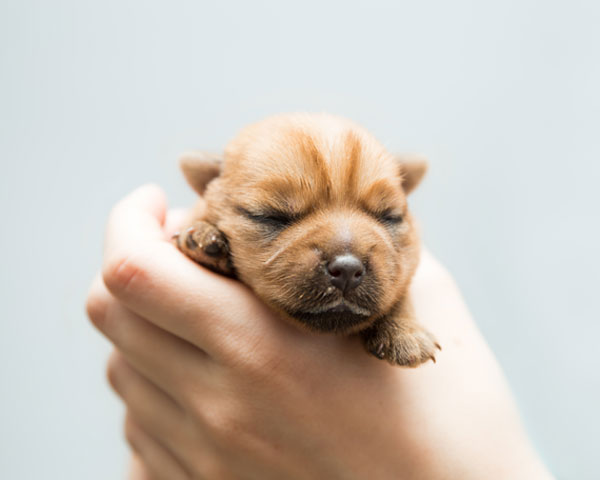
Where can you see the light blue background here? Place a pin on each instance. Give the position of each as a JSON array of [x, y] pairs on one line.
[[99, 97]]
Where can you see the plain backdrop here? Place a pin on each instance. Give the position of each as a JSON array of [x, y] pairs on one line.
[[99, 97]]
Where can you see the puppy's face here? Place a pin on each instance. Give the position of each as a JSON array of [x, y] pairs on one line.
[[316, 216]]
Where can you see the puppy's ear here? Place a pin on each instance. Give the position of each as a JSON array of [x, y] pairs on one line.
[[199, 168], [413, 168]]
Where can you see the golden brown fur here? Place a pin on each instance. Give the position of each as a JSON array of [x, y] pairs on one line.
[[295, 192]]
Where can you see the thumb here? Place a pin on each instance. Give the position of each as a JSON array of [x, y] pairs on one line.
[[136, 219]]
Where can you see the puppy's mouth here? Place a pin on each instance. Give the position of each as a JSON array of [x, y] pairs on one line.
[[341, 306], [340, 316]]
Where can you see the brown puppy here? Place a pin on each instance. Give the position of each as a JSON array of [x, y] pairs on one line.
[[310, 212]]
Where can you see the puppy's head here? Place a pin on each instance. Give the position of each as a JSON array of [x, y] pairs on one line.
[[316, 216]]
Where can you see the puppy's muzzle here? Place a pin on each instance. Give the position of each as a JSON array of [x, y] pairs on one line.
[[338, 296], [345, 272]]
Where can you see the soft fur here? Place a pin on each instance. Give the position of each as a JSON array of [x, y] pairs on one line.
[[295, 192]]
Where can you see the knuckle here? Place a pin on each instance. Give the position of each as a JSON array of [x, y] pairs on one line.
[[131, 433], [211, 467], [124, 272], [97, 302], [224, 423], [96, 306], [248, 354], [113, 372], [262, 365]]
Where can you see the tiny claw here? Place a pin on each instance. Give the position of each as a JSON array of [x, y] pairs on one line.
[[433, 358], [439, 347]]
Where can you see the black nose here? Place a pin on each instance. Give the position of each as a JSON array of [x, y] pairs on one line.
[[345, 272]]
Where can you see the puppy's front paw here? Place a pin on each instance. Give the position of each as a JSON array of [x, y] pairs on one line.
[[207, 245], [409, 348]]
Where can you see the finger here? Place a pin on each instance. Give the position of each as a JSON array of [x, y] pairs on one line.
[[137, 470], [152, 278], [140, 216], [161, 419], [158, 462], [156, 412], [174, 220], [97, 300], [168, 361]]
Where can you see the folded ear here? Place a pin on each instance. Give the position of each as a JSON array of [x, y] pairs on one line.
[[413, 168], [199, 168]]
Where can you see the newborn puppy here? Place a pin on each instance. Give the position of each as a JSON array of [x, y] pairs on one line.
[[310, 212]]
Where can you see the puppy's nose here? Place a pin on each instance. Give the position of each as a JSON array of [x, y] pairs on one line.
[[345, 272]]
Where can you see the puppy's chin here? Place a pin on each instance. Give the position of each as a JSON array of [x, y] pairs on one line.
[[342, 318]]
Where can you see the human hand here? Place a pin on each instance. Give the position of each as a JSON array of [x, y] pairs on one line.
[[217, 386]]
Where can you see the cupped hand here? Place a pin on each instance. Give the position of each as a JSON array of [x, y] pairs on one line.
[[217, 386]]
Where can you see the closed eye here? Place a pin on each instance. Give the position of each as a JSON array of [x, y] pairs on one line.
[[270, 218], [389, 217]]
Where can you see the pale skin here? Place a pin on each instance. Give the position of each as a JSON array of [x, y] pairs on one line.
[[216, 386]]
